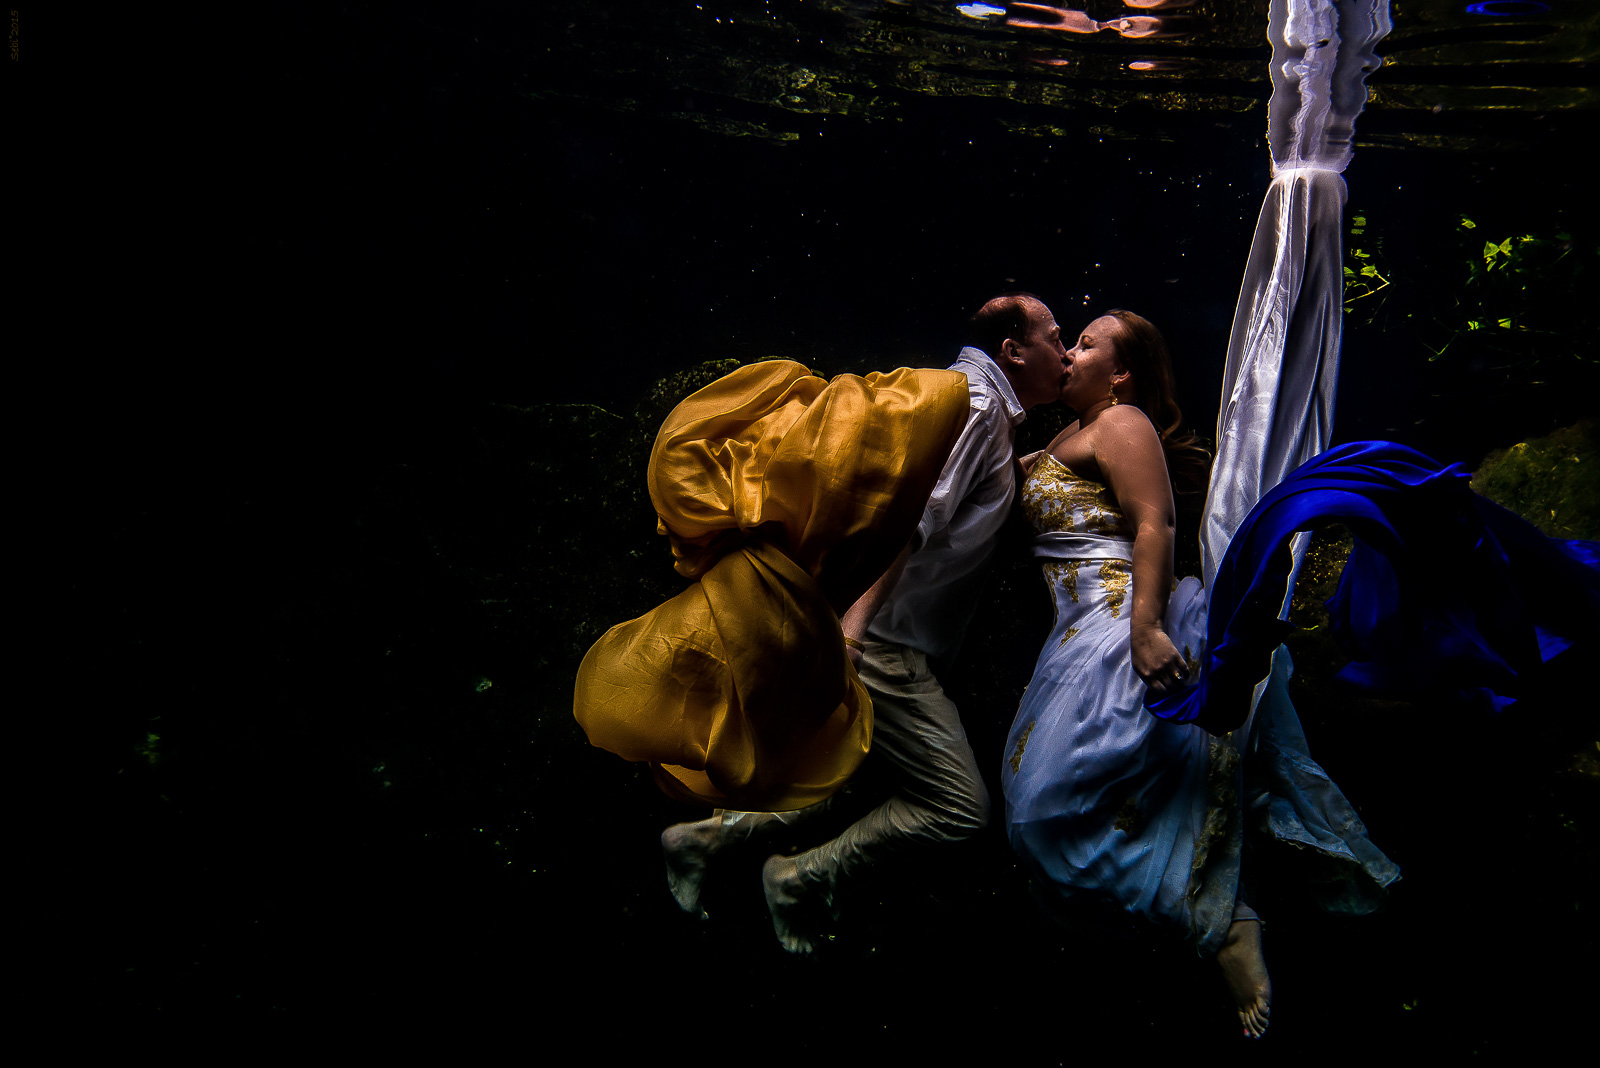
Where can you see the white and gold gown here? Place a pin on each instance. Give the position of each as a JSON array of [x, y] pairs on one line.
[[1127, 821]]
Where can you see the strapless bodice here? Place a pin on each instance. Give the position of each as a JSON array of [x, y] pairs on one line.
[[1055, 500]]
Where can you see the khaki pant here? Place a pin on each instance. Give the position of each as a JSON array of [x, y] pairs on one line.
[[922, 751]]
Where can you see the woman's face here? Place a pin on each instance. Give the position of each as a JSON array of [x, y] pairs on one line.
[[1091, 364]]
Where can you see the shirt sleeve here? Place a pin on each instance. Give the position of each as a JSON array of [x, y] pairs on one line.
[[967, 465]]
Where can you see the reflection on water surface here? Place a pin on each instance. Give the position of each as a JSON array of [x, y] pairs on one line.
[[756, 67]]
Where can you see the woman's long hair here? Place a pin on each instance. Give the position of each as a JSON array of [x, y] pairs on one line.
[[1143, 352]]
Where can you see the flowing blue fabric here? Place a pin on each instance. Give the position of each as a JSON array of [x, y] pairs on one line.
[[1445, 592]]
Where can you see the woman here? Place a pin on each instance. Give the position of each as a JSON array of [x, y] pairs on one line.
[[1128, 822]]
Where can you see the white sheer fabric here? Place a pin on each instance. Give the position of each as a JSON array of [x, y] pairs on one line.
[[1282, 372], [1278, 392]]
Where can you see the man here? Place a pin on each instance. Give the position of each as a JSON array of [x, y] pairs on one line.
[[916, 612]]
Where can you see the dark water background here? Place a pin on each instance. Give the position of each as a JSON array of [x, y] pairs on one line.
[[440, 270]]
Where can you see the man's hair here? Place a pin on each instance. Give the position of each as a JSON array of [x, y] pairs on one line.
[[1005, 316]]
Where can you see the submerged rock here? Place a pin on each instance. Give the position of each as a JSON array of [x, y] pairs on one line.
[[1553, 482]]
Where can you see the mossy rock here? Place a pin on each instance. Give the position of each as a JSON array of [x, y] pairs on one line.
[[1553, 482]]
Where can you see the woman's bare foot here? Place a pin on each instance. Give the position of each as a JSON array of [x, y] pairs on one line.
[[1245, 970], [791, 901], [687, 848]]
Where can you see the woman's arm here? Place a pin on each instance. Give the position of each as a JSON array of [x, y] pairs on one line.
[[1129, 454]]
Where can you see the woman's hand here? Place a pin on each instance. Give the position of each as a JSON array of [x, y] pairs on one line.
[[1025, 464], [1157, 660]]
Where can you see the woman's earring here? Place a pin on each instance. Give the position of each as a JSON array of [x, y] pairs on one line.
[[1112, 390]]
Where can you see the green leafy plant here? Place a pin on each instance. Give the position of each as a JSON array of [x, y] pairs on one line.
[[1363, 276], [1512, 287]]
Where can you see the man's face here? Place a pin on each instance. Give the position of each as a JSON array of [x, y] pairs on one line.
[[1038, 380]]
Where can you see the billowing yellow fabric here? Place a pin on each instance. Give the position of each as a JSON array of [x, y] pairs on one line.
[[785, 497]]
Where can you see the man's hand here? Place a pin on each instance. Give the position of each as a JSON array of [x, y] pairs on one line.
[[1157, 660]]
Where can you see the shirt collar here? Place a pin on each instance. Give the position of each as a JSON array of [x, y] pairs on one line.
[[981, 362]]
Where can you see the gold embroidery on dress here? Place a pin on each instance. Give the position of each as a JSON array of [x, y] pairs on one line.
[[1114, 579], [1045, 501], [1190, 662], [1070, 632], [1058, 573], [1022, 743], [1063, 573], [1054, 498], [1052, 573]]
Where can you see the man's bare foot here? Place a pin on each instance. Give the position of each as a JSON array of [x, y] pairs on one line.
[[687, 848], [1245, 970], [791, 902]]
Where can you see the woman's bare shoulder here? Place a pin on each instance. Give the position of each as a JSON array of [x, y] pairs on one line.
[[1126, 418], [1125, 439]]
